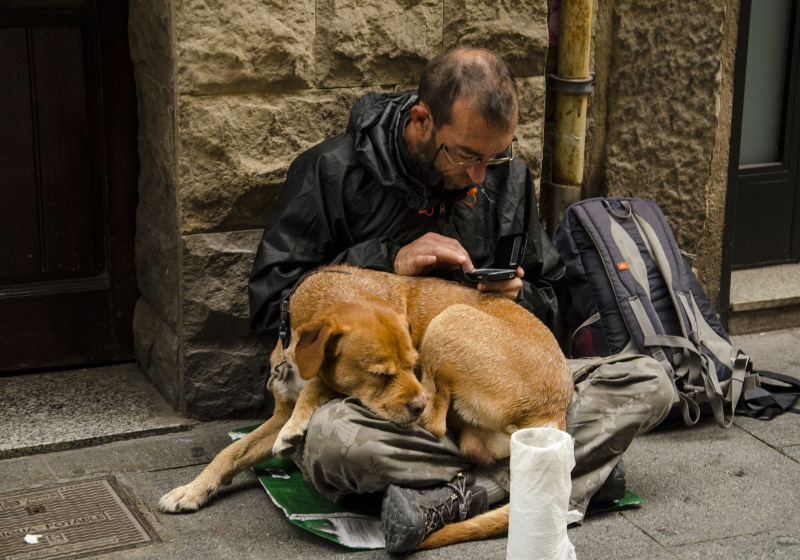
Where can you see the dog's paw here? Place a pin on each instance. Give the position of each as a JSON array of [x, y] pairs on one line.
[[437, 428], [290, 436], [190, 497], [282, 449], [287, 443], [284, 371], [294, 439]]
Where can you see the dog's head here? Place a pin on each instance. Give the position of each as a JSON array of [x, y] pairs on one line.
[[364, 350]]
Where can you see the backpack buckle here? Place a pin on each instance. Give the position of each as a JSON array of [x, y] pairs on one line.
[[742, 362]]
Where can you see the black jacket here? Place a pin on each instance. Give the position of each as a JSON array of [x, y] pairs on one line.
[[357, 198]]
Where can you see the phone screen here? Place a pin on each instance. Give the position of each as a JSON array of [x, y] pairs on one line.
[[515, 251], [510, 251]]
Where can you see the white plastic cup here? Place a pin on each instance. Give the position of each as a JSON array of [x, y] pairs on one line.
[[541, 462]]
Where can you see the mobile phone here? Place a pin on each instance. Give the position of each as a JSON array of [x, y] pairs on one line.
[[507, 257]]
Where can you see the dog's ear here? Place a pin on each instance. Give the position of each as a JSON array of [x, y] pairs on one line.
[[312, 340]]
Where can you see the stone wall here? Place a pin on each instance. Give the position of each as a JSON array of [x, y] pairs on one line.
[[660, 115], [229, 93]]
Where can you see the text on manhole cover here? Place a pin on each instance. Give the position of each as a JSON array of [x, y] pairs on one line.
[[68, 520]]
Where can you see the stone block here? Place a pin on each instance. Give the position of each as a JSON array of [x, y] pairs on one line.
[[762, 320], [151, 40], [244, 46], [662, 92], [225, 365], [236, 150], [157, 348], [25, 472], [156, 253], [214, 273], [514, 29], [369, 42], [156, 259], [154, 453], [709, 251], [225, 379], [156, 140]]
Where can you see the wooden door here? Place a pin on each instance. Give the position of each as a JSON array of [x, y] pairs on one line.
[[767, 223], [68, 193]]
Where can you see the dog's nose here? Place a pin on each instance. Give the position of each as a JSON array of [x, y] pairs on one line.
[[416, 405]]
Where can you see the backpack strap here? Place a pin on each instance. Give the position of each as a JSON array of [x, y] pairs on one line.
[[765, 404], [721, 396], [616, 249], [690, 410]]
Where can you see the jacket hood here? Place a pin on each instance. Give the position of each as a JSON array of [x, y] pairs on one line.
[[375, 123]]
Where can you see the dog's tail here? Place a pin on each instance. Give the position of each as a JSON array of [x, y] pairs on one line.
[[483, 526]]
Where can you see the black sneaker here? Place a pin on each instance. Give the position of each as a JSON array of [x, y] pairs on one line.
[[614, 488], [409, 515]]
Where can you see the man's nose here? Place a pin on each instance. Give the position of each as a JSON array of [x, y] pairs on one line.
[[477, 173]]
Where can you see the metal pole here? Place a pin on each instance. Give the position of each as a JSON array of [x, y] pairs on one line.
[[574, 38]]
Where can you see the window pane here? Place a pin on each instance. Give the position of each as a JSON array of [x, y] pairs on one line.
[[767, 51]]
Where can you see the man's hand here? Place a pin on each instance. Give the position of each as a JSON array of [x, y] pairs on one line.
[[507, 288], [432, 251]]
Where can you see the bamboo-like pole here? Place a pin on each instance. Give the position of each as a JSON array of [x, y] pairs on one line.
[[574, 38]]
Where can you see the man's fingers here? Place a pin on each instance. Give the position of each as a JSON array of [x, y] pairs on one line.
[[431, 250], [508, 288], [446, 257], [448, 251]]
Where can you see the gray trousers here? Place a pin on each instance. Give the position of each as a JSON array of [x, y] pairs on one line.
[[350, 449]]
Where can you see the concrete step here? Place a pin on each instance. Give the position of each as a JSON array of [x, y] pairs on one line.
[[45, 412], [765, 299]]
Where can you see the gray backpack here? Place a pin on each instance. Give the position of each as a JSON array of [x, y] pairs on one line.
[[627, 289]]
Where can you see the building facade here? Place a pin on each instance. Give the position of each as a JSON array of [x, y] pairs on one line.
[[230, 92]]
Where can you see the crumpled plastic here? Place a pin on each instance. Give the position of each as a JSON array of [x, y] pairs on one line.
[[33, 539], [541, 462]]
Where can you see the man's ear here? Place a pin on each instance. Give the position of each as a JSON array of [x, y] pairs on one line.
[[421, 120], [312, 340]]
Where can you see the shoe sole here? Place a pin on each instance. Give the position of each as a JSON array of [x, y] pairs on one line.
[[400, 536]]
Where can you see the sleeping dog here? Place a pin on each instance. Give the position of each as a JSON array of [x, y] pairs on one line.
[[411, 349]]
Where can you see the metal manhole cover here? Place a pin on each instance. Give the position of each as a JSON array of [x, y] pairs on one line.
[[70, 520]]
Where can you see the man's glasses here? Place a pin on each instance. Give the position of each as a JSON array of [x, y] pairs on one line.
[[508, 153]]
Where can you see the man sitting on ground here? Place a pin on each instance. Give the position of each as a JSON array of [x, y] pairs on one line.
[[424, 183]]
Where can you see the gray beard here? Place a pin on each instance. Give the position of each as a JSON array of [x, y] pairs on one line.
[[425, 153]]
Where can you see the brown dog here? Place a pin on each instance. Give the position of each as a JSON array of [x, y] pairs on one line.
[[490, 362]]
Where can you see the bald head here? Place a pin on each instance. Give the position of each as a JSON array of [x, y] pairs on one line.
[[477, 76]]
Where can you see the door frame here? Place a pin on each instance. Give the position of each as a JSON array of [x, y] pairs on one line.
[[737, 110]]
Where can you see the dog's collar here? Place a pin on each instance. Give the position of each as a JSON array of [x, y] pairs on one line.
[[284, 331]]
